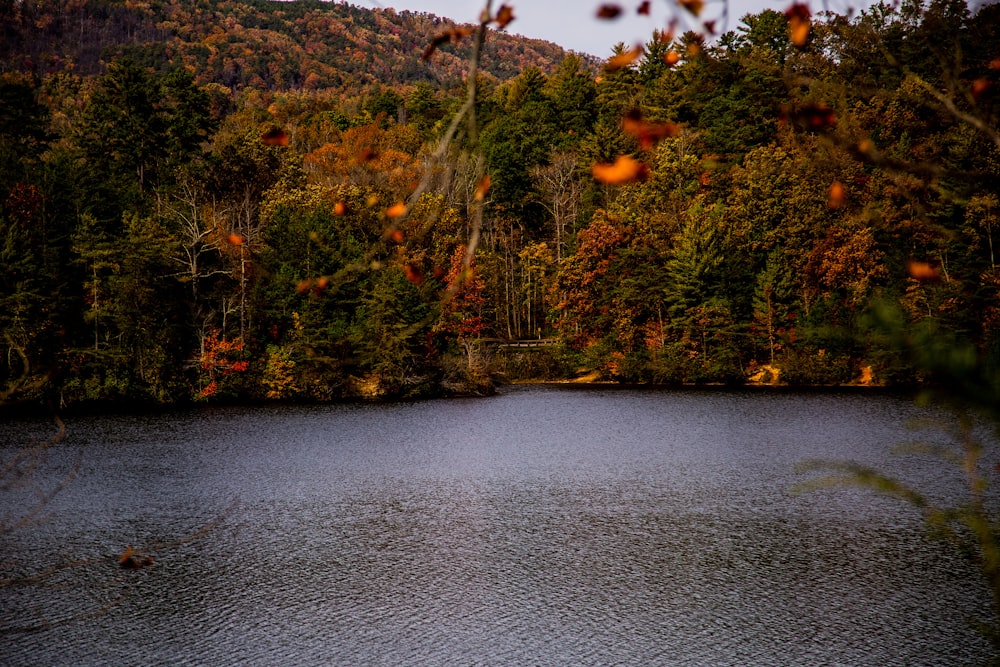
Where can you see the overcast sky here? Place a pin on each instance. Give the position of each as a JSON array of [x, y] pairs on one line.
[[571, 23]]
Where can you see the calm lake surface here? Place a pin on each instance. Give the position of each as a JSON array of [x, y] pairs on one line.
[[543, 526]]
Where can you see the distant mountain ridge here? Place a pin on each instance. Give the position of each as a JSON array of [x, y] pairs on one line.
[[265, 44]]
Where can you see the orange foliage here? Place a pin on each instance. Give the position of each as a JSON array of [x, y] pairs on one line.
[[367, 156]]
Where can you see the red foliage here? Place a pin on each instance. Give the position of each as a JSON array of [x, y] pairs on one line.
[[463, 312], [219, 360]]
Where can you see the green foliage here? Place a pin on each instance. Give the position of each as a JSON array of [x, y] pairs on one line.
[[392, 334]]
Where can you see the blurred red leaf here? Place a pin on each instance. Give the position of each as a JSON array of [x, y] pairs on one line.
[[643, 9], [609, 12], [274, 137], [413, 273], [810, 116], [366, 155], [504, 16], [980, 86]]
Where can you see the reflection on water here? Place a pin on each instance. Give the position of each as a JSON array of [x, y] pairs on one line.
[[541, 526]]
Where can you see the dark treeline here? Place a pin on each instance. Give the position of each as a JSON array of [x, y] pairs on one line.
[[183, 225]]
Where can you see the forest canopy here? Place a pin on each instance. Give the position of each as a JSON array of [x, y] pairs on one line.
[[222, 199]]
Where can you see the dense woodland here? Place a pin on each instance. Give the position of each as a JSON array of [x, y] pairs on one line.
[[205, 201]]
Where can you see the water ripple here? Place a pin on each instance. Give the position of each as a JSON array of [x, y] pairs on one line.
[[621, 528]]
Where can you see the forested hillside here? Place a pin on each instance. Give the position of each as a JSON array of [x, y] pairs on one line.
[[267, 45], [250, 200]]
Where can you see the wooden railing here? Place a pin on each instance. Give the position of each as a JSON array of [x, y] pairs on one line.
[[528, 343]]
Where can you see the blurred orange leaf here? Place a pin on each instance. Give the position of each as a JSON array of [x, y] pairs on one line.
[[454, 35], [624, 169], [274, 137], [504, 16], [608, 12], [235, 239], [672, 58], [340, 208], [396, 210], [396, 235], [995, 63], [648, 134], [624, 59], [132, 560], [980, 86], [129, 551], [923, 271], [482, 187], [693, 6], [799, 17], [837, 195]]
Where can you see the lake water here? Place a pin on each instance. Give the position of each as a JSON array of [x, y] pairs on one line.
[[542, 526]]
